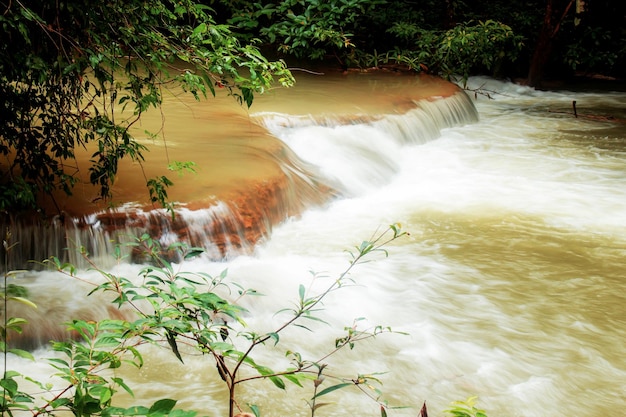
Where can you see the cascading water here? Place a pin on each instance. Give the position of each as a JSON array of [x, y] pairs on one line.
[[511, 286], [361, 153]]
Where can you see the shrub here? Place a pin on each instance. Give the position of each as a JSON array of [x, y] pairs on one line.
[[176, 308]]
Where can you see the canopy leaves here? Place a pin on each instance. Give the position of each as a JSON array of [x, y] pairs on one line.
[[68, 69]]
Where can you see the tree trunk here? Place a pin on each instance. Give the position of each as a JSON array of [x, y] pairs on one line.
[[556, 10]]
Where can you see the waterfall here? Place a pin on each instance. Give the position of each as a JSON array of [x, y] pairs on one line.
[[360, 152], [510, 286]]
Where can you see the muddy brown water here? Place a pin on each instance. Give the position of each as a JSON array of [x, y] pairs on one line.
[[511, 285]]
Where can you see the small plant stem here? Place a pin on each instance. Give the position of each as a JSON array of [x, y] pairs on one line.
[[372, 246]]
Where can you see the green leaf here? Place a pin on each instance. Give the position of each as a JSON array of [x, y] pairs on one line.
[[201, 28], [60, 402], [11, 374], [294, 379], [248, 95], [163, 406], [22, 354], [23, 301], [255, 410], [105, 395], [275, 337], [59, 361], [15, 322], [171, 340], [332, 388], [222, 346], [193, 253], [301, 291], [9, 384], [131, 411], [182, 413], [267, 372], [277, 381], [121, 383]]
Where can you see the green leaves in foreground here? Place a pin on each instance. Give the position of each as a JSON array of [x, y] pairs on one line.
[[160, 408], [193, 313], [465, 408], [333, 388]]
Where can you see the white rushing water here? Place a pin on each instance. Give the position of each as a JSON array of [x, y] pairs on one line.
[[511, 285]]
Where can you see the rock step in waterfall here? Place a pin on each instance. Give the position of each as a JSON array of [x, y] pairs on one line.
[[232, 221]]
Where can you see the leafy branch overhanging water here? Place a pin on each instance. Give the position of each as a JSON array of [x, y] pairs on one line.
[[189, 313]]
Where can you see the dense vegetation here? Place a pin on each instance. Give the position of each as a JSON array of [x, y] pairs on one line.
[[68, 68], [441, 36]]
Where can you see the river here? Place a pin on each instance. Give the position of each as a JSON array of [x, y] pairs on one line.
[[511, 285]]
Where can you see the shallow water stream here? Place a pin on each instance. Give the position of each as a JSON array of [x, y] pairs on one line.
[[511, 285]]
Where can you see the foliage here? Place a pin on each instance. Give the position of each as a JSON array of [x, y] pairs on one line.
[[102, 345], [578, 55], [81, 74], [464, 49], [310, 29], [452, 37], [13, 397], [465, 408], [415, 36], [598, 42], [192, 311]]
